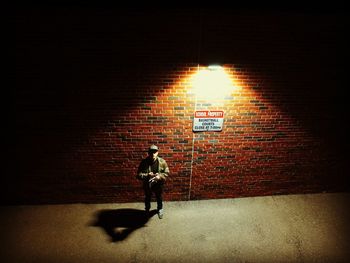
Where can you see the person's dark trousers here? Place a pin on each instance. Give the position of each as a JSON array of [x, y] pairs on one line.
[[157, 190]]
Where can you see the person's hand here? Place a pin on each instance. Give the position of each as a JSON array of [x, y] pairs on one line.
[[157, 177]]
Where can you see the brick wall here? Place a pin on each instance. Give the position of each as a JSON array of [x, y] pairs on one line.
[[93, 93]]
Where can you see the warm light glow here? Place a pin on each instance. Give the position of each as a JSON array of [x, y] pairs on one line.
[[212, 83]]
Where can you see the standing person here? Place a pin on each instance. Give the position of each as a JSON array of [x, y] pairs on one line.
[[153, 171]]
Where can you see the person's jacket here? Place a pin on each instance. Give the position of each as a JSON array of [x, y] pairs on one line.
[[145, 168]]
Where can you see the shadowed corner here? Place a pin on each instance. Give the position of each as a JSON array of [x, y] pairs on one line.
[[120, 223]]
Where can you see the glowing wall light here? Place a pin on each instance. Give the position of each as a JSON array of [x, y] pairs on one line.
[[211, 83]]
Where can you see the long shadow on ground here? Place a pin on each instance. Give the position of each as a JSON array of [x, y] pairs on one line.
[[120, 223]]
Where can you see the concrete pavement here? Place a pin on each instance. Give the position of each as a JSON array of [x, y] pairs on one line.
[[289, 228]]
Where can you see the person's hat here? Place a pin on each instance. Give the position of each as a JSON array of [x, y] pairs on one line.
[[153, 148]]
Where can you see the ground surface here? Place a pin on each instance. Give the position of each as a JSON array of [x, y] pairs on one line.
[[292, 228]]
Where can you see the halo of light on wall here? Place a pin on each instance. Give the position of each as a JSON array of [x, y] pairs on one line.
[[211, 83]]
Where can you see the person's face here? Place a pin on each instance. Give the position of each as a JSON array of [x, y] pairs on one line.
[[153, 155]]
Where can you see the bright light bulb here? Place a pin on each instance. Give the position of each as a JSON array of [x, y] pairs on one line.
[[212, 83]]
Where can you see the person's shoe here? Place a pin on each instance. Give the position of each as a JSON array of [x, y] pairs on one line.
[[160, 213]]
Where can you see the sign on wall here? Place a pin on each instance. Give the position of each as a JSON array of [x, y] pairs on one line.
[[205, 120]]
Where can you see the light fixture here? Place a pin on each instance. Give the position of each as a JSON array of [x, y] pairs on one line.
[[211, 83]]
